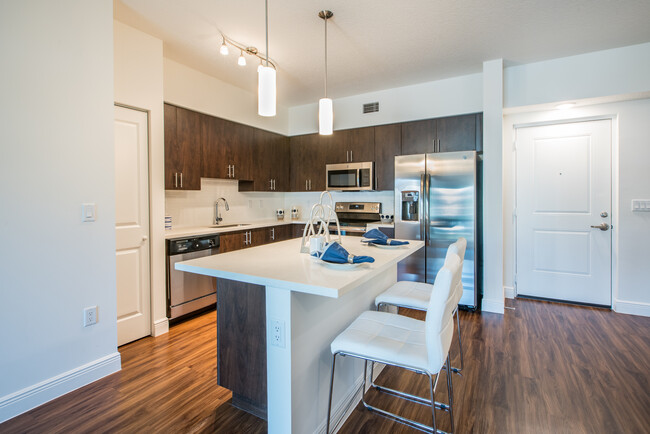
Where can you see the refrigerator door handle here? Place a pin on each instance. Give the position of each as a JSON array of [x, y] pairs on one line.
[[427, 213], [421, 211]]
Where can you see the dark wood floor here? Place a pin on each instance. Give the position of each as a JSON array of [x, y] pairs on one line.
[[540, 368]]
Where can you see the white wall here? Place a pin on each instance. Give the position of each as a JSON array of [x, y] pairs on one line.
[[57, 153], [433, 99], [189, 88], [138, 81], [617, 71], [632, 230]]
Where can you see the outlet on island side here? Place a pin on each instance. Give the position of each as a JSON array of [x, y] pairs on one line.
[[90, 316], [277, 333]]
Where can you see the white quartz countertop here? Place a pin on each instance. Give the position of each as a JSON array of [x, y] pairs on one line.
[[188, 231], [281, 265]]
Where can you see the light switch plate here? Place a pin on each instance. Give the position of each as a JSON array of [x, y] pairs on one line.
[[88, 212], [640, 205]]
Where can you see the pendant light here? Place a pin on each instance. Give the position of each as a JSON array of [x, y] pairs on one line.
[[325, 108], [266, 91]]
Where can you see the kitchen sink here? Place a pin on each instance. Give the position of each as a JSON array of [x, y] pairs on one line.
[[231, 226]]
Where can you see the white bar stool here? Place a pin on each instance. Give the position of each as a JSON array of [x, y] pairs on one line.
[[416, 295], [396, 340]]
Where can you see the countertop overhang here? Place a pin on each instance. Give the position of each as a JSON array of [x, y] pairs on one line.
[[281, 265]]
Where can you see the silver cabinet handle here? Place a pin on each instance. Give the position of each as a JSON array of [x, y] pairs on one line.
[[602, 226], [233, 171], [306, 188], [347, 156], [310, 185], [176, 179], [273, 234], [270, 184], [351, 157], [181, 179]]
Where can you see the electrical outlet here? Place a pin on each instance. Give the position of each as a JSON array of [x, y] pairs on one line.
[[277, 333], [90, 316]]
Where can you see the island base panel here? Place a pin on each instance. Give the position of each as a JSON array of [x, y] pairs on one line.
[[241, 344]]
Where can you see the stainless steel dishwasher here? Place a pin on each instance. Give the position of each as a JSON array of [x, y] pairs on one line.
[[189, 292]]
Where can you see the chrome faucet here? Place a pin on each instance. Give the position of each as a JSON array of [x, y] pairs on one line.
[[217, 214]]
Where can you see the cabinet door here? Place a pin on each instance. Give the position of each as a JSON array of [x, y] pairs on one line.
[[280, 163], [297, 156], [171, 148], [257, 237], [281, 233], [231, 241], [417, 137], [242, 138], [337, 147], [361, 144], [316, 152], [216, 151], [388, 144], [456, 133], [184, 153]]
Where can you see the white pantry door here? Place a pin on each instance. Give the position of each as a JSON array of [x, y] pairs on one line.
[[563, 189], [132, 224]]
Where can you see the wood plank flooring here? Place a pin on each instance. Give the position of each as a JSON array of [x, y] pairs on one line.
[[540, 368]]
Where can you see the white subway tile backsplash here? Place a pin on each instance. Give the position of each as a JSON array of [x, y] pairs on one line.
[[196, 208]]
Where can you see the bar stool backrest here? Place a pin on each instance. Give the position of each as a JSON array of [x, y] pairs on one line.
[[457, 248], [439, 324]]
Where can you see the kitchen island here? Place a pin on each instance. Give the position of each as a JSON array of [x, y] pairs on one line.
[[278, 311]]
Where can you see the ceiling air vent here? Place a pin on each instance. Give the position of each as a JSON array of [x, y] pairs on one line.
[[371, 107]]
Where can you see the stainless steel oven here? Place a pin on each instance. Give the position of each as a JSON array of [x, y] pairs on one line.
[[350, 176], [353, 217], [189, 292]]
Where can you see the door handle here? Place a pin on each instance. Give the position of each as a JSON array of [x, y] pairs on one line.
[[176, 179], [144, 238], [602, 226], [181, 179]]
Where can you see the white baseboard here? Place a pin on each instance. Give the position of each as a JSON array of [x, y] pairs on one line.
[[509, 292], [632, 308], [160, 327], [31, 397], [494, 306], [346, 406]]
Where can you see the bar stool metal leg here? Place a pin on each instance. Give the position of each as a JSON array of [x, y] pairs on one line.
[[460, 345], [450, 392], [329, 406]]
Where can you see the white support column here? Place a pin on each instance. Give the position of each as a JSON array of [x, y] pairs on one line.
[[493, 296]]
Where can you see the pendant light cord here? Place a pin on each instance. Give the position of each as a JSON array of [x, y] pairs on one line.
[[266, 10], [326, 56]]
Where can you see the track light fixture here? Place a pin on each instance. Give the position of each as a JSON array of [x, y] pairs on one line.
[[266, 75]]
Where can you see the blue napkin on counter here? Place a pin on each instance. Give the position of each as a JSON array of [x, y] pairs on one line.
[[334, 252], [375, 236]]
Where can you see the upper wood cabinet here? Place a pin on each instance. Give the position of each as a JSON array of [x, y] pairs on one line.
[[353, 145], [182, 149], [308, 156], [271, 162], [226, 149], [388, 144], [454, 133], [418, 137]]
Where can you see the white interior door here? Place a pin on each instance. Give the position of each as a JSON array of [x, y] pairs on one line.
[[132, 224], [563, 190]]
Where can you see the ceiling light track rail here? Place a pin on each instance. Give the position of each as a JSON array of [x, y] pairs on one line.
[[243, 48]]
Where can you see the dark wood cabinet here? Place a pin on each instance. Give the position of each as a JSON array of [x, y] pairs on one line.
[[388, 144], [353, 145], [450, 134], [418, 137], [456, 133], [227, 149], [241, 344], [231, 241], [308, 155], [271, 163], [182, 149]]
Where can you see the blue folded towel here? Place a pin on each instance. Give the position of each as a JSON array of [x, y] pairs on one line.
[[334, 252], [375, 236]]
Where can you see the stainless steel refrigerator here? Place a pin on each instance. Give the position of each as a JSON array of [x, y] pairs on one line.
[[436, 200]]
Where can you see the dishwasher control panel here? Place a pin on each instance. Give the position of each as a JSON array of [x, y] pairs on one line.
[[187, 245]]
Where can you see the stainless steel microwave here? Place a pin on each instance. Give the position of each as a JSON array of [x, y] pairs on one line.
[[350, 176]]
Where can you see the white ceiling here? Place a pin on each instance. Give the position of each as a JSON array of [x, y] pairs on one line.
[[381, 44]]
